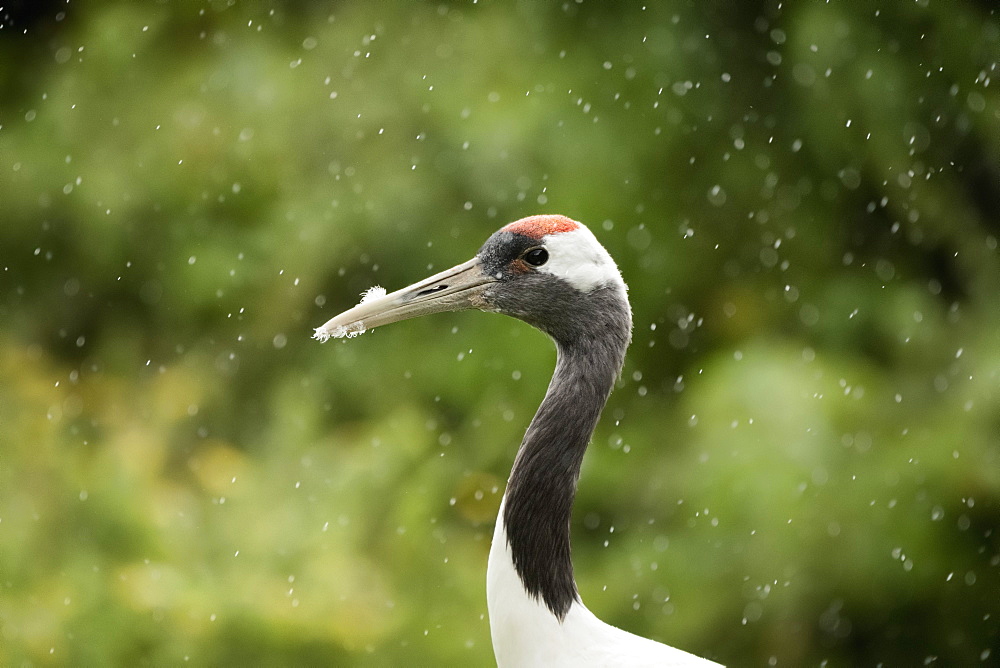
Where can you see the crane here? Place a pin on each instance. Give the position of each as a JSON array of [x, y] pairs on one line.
[[553, 273]]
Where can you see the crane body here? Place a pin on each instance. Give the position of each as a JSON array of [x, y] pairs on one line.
[[552, 273]]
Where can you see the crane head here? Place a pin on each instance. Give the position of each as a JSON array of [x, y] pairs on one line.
[[540, 269]]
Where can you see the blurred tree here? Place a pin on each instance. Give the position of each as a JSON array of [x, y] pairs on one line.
[[801, 463]]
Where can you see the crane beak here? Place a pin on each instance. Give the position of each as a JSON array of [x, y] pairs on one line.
[[455, 289]]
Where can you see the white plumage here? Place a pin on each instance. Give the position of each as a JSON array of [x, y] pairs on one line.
[[526, 634]]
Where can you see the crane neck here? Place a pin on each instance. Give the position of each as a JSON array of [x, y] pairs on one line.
[[542, 486]]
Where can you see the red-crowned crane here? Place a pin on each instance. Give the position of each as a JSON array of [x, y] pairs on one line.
[[552, 273]]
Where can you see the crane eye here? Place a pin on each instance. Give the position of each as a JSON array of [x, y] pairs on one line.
[[536, 257]]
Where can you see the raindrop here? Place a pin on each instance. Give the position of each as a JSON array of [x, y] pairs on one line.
[[716, 195]]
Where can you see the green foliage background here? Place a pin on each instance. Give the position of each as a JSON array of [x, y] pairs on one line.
[[801, 462]]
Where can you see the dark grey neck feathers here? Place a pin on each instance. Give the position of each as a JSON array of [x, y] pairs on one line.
[[591, 334]]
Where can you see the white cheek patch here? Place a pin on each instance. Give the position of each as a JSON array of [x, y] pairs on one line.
[[578, 258]]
